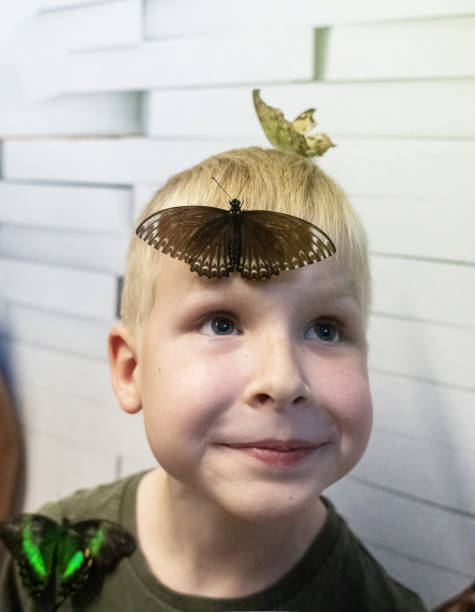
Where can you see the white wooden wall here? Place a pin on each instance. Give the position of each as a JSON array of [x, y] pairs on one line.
[[104, 100]]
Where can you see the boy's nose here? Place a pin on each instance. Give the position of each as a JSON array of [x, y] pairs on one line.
[[277, 378]]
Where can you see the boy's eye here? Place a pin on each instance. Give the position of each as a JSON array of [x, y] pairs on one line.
[[224, 326], [327, 331], [221, 325]]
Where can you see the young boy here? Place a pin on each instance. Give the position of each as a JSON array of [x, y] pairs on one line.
[[255, 399]]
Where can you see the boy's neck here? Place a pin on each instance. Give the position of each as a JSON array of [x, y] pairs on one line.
[[192, 550]]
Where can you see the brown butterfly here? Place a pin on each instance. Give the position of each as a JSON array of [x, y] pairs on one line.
[[215, 242]]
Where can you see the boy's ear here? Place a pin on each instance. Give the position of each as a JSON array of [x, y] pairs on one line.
[[124, 368]]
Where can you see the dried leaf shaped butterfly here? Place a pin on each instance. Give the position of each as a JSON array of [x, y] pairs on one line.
[[215, 242], [56, 559]]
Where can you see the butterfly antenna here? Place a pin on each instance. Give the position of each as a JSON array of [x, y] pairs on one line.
[[237, 197], [221, 187]]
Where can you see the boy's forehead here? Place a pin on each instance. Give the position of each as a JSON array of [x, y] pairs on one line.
[[327, 280]]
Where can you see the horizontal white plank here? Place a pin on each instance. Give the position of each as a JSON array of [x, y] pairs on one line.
[[283, 54], [92, 251], [109, 114], [85, 422], [53, 330], [46, 5], [423, 470], [80, 207], [418, 49], [442, 354], [424, 411], [57, 467], [404, 49], [433, 584], [89, 26], [180, 17], [68, 290], [403, 168], [103, 161], [430, 291], [408, 526], [57, 371], [392, 167], [424, 227], [405, 109]]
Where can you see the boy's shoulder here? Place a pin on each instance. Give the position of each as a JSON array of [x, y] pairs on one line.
[[102, 501]]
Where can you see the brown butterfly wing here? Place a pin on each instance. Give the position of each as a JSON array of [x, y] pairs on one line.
[[198, 235], [273, 241]]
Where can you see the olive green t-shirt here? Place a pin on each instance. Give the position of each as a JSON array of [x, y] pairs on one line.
[[335, 574]]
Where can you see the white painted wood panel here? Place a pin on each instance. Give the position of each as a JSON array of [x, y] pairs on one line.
[[50, 479], [85, 27], [60, 372], [393, 167], [284, 54], [109, 114], [66, 290], [427, 290], [434, 227], [91, 251], [426, 471], [402, 49], [104, 161], [413, 49], [410, 109], [434, 584], [184, 17], [422, 410], [403, 168], [79, 207], [83, 422], [441, 354], [46, 5], [406, 525], [53, 330]]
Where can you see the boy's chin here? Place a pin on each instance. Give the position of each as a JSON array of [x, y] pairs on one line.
[[270, 505]]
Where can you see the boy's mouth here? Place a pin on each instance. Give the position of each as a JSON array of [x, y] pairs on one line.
[[277, 453], [276, 445]]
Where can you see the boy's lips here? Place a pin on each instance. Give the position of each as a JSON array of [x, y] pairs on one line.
[[278, 454], [275, 444]]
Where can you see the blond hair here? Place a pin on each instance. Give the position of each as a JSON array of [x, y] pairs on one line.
[[281, 182]]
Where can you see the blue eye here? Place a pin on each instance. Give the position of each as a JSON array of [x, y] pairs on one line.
[[221, 325], [327, 331]]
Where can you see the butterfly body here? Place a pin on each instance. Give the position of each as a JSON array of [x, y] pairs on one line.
[[56, 559], [234, 247], [215, 242]]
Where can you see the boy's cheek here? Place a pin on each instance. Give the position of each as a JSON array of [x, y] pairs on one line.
[[357, 424]]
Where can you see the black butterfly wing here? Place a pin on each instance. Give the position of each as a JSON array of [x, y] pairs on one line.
[[32, 540], [198, 235], [73, 561], [106, 542], [273, 241], [85, 546]]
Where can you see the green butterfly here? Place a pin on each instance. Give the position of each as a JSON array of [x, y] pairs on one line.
[[56, 559]]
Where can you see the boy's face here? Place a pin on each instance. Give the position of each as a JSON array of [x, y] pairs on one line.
[[231, 361]]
